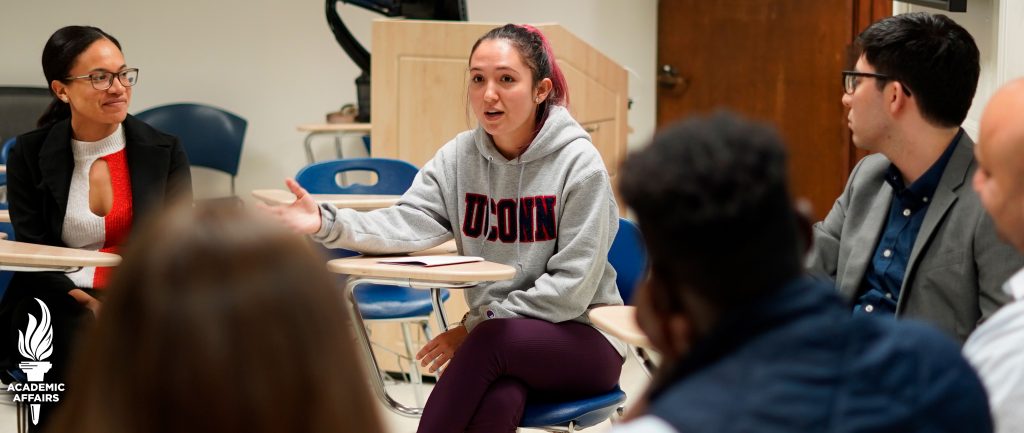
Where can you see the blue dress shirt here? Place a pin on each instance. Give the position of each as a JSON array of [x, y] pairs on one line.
[[883, 279]]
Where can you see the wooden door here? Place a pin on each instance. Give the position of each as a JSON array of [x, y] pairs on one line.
[[772, 60]]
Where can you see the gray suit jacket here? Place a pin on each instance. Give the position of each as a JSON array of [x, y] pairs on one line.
[[957, 265]]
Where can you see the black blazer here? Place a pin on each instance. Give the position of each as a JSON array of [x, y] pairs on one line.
[[39, 177]]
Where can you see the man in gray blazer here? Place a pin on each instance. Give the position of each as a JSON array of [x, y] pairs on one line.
[[908, 237]]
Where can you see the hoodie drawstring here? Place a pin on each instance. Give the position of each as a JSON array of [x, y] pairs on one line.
[[487, 209], [519, 206]]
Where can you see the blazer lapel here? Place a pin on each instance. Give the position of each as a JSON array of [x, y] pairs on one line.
[[865, 239], [56, 163], [953, 178], [147, 165]]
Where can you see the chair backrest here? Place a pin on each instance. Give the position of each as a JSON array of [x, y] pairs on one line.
[[20, 108], [629, 258], [5, 276], [393, 176], [5, 152], [212, 137]]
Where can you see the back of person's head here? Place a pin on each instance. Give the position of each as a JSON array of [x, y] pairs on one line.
[[218, 321], [536, 52], [931, 55], [59, 56], [711, 198]]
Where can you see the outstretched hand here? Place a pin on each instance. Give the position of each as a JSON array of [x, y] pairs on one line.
[[302, 216], [442, 348]]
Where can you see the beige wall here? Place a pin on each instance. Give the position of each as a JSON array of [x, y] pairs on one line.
[[998, 28], [276, 63]]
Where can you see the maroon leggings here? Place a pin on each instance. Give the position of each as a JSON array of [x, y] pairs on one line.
[[501, 362]]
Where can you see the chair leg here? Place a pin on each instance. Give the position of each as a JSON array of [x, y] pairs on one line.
[[21, 416], [415, 376], [641, 357], [427, 333], [368, 354]]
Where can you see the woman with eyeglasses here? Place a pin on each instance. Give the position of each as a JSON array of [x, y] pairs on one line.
[[81, 180]]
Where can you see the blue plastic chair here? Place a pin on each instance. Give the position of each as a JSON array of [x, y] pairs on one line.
[[394, 176], [6, 151], [376, 302], [629, 258], [212, 137], [5, 276], [8, 144]]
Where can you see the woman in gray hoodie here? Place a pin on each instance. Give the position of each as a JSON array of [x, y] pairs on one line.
[[526, 188]]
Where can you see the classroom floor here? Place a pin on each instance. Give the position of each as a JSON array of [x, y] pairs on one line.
[[633, 381]]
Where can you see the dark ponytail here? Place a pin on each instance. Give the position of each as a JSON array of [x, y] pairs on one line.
[[59, 55]]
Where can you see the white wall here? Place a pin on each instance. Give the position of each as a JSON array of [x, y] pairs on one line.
[[998, 28], [276, 63]]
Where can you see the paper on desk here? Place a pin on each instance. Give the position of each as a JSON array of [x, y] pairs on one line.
[[429, 261]]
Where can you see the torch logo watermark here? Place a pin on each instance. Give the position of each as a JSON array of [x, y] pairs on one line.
[[36, 344]]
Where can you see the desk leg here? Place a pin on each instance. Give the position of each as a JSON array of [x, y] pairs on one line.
[[377, 381], [442, 318], [641, 357], [338, 143], [309, 147]]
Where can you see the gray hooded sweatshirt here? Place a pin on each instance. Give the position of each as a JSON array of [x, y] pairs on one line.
[[549, 213]]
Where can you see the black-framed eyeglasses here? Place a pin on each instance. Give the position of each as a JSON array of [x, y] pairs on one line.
[[851, 80], [102, 80]]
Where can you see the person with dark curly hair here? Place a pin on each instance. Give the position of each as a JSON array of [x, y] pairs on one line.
[[751, 343]]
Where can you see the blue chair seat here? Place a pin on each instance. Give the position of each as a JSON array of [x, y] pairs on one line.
[[377, 302], [583, 413]]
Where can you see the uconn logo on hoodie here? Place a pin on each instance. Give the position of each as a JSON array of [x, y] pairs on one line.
[[535, 220]]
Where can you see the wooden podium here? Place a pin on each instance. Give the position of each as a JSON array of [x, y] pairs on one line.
[[420, 74]]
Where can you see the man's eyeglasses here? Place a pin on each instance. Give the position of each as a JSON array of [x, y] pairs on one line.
[[102, 80], [852, 78]]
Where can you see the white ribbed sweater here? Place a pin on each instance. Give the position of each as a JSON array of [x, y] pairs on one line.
[[83, 229]]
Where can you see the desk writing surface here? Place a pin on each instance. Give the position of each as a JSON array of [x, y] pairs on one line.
[[360, 202], [462, 272], [5, 216], [620, 321], [26, 254], [334, 127]]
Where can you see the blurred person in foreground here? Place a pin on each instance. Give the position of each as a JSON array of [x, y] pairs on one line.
[[219, 321], [750, 343], [996, 348]]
